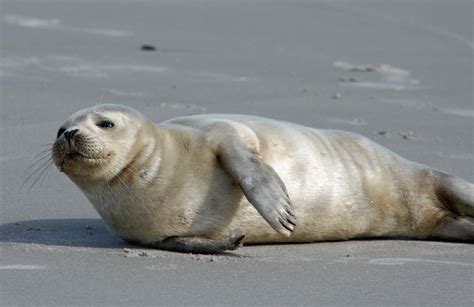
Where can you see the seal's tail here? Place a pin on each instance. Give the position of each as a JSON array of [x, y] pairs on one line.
[[457, 196]]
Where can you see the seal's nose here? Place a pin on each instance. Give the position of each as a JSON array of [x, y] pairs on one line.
[[70, 134]]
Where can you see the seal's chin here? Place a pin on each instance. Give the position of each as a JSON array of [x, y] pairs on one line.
[[85, 170], [72, 162], [77, 163], [76, 159]]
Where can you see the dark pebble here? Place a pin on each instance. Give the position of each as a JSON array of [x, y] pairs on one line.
[[148, 48]]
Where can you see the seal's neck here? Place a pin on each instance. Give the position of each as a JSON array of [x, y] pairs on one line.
[[143, 162]]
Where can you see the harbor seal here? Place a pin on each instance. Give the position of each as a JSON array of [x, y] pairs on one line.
[[201, 183]]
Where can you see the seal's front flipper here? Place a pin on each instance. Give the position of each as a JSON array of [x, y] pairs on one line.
[[198, 245], [260, 183]]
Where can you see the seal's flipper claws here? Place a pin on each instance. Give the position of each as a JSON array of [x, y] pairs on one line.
[[288, 226], [291, 213]]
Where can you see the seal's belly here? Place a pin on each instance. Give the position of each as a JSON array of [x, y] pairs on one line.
[[341, 185], [129, 218]]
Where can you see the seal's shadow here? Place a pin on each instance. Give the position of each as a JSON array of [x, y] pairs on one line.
[[67, 232], [62, 232]]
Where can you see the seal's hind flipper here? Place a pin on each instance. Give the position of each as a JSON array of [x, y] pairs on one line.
[[198, 245], [454, 228], [456, 195]]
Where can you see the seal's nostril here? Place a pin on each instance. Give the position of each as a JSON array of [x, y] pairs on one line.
[[70, 134]]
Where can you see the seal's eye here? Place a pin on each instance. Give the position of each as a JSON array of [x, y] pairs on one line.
[[105, 124], [60, 131]]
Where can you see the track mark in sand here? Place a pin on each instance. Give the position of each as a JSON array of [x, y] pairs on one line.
[[32, 22], [105, 32], [122, 93], [183, 106], [134, 68], [78, 67], [457, 156], [162, 267], [458, 112], [389, 77], [352, 122], [396, 20], [403, 261], [56, 24], [410, 103], [198, 75], [22, 267]]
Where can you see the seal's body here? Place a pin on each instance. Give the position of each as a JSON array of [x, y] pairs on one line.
[[189, 182]]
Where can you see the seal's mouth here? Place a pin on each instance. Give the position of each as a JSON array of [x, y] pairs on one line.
[[74, 156], [82, 157], [73, 160]]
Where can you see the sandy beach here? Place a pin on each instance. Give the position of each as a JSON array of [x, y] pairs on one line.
[[398, 72]]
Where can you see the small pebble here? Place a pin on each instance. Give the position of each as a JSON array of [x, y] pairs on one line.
[[407, 135], [337, 96], [148, 48]]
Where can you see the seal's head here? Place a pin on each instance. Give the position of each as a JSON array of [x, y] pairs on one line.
[[97, 143]]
